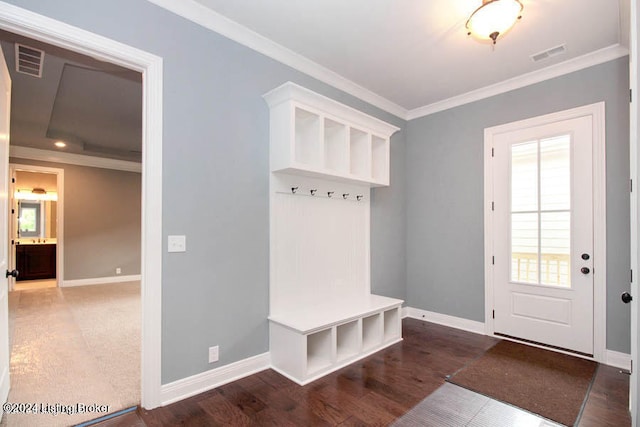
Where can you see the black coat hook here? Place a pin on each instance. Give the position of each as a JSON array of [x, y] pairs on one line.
[[313, 191], [358, 197], [293, 190], [345, 195], [330, 194]]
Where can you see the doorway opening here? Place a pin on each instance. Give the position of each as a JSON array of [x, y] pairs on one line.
[[38, 27], [36, 226], [96, 304]]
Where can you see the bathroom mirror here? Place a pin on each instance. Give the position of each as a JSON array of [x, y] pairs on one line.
[[37, 219]]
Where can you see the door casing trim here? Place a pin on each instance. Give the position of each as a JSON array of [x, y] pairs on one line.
[[33, 25], [597, 112]]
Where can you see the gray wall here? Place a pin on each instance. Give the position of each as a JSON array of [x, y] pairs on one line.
[[444, 161], [215, 180], [389, 229], [101, 220]]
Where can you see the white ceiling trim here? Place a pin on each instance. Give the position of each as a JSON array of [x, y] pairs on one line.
[[29, 153], [214, 21], [208, 18], [575, 64]]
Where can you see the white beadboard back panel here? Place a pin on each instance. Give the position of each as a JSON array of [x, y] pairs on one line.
[[320, 243]]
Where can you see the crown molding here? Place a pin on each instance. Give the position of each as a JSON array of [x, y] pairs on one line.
[[575, 64], [28, 153], [202, 15]]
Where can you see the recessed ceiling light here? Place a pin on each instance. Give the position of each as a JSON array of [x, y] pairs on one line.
[[60, 144]]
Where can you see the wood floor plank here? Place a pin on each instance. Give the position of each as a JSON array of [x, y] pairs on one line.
[[372, 392]]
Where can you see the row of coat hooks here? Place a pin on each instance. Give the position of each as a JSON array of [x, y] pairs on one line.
[[313, 192]]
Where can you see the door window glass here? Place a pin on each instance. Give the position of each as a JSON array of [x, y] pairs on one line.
[[541, 211]]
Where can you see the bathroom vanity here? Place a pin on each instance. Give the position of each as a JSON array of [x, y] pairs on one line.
[[36, 261]]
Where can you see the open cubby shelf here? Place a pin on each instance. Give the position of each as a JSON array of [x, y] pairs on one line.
[[306, 348], [344, 144]]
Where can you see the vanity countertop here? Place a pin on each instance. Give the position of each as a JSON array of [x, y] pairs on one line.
[[36, 242]]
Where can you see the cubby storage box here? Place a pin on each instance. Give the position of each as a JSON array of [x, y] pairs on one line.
[[347, 340], [392, 325], [371, 332], [318, 136], [318, 350]]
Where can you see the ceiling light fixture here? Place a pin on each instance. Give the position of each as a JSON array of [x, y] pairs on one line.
[[60, 144], [494, 18]]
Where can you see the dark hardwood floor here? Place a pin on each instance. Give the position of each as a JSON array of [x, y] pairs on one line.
[[374, 391]]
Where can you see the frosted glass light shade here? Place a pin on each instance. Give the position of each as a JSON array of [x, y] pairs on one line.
[[493, 18], [30, 195]]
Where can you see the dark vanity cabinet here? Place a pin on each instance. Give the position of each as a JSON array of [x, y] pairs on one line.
[[37, 261]]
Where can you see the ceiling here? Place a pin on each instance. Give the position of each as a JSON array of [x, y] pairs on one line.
[[409, 57], [416, 53], [93, 106]]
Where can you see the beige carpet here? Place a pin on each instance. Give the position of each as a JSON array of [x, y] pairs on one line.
[[74, 345]]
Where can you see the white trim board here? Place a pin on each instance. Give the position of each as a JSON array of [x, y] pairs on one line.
[[33, 25], [612, 358], [597, 111], [220, 24], [618, 360], [575, 64], [199, 383], [446, 320], [18, 152], [100, 280]]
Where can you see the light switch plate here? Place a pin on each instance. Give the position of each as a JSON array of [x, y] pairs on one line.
[[177, 244], [214, 354]]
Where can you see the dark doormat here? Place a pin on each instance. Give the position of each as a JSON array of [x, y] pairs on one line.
[[552, 385]]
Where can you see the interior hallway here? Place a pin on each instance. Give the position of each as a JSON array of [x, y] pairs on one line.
[[74, 345]]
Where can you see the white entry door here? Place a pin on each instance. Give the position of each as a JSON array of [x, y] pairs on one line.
[[5, 111], [543, 234]]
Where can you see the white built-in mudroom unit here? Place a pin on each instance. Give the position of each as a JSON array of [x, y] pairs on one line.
[[324, 159]]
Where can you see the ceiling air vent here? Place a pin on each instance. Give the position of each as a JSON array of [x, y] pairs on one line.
[[554, 51], [29, 60]]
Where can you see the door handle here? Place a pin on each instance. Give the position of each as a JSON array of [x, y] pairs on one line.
[[626, 297], [12, 273], [585, 270]]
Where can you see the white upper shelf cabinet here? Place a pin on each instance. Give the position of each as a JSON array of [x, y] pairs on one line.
[[317, 136]]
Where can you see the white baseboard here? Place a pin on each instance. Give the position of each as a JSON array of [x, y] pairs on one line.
[[100, 280], [446, 320], [404, 312], [618, 360], [612, 358], [199, 383]]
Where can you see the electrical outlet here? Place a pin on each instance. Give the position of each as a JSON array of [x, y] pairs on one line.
[[213, 354], [118, 270]]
